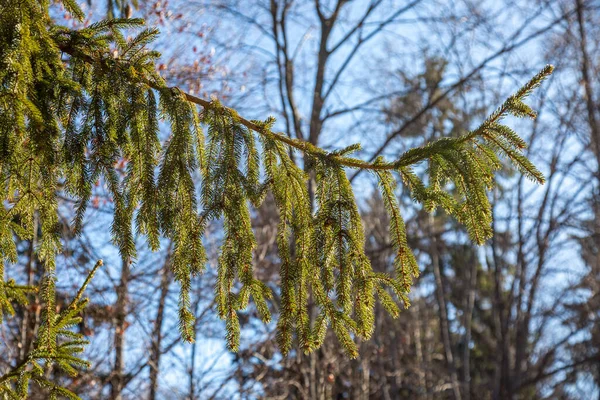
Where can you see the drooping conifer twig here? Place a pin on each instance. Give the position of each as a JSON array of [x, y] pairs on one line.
[[513, 105], [62, 351], [73, 103]]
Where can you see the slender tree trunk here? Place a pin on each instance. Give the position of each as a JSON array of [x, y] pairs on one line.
[[587, 85], [365, 365], [502, 384], [192, 372], [443, 315], [29, 323], [591, 108], [155, 350], [419, 348], [521, 331], [118, 378], [312, 380], [592, 118], [316, 123], [471, 285]]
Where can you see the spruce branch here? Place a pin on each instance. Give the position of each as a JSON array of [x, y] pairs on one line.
[[513, 104], [73, 120]]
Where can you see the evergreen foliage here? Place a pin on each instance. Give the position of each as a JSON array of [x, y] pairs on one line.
[[56, 346], [73, 103]]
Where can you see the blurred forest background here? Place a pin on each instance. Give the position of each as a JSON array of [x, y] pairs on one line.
[[518, 318]]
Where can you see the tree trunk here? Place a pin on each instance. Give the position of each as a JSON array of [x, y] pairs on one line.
[[118, 378], [155, 350], [592, 119], [443, 314], [502, 383], [591, 108], [192, 371], [471, 285], [30, 314]]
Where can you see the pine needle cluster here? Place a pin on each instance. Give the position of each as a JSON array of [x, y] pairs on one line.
[[74, 103]]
